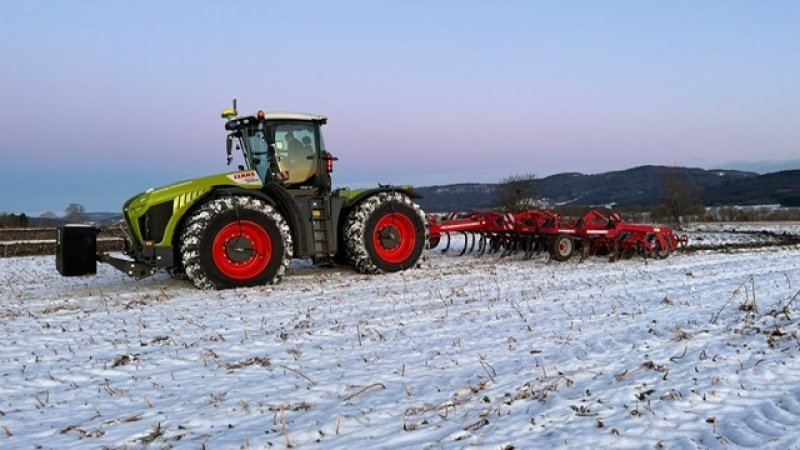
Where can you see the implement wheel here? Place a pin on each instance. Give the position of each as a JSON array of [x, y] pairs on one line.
[[385, 233], [561, 247], [658, 252], [235, 242]]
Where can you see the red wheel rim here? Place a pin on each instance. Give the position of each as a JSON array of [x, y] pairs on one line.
[[564, 246], [394, 238], [242, 250]]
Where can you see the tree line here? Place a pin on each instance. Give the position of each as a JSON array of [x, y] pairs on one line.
[[74, 213]]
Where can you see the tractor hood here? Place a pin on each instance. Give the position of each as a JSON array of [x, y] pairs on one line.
[[153, 215]]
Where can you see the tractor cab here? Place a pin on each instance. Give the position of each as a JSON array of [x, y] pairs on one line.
[[286, 148]]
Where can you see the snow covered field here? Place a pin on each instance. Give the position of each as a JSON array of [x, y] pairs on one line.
[[699, 350], [737, 233]]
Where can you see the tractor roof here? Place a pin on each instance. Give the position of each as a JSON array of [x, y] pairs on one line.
[[279, 115], [239, 121]]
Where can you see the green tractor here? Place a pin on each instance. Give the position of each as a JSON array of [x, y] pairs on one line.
[[242, 228]]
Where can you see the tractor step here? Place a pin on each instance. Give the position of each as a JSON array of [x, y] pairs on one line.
[[320, 215]]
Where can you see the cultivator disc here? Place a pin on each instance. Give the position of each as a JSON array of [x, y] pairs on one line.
[[534, 231]]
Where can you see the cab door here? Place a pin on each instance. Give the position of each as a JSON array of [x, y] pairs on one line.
[[297, 152]]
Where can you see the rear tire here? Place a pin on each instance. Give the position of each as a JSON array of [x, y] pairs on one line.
[[385, 233], [235, 241]]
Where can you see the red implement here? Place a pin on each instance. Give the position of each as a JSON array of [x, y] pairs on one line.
[[535, 230]]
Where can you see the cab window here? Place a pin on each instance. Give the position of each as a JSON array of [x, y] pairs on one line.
[[296, 151]]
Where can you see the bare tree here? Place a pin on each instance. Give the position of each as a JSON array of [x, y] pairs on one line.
[[75, 212], [679, 198], [516, 192], [48, 219]]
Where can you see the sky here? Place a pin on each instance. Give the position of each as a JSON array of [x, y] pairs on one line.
[[100, 100]]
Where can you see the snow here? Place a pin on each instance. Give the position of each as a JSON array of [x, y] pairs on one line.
[[698, 350], [739, 227], [29, 241], [721, 233], [51, 241]]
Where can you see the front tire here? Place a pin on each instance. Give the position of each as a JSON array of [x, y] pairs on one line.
[[235, 241], [385, 233]]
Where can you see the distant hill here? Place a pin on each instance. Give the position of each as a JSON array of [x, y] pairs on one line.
[[98, 218], [104, 217], [639, 186], [772, 188]]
